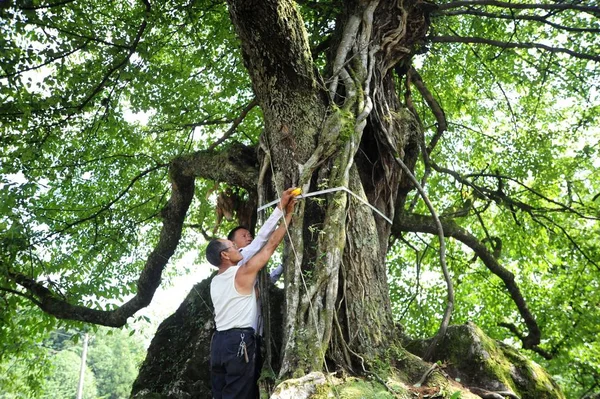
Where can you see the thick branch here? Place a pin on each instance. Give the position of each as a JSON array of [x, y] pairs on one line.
[[504, 45], [519, 335], [426, 224], [236, 165]]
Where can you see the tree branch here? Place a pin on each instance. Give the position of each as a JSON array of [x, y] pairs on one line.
[[500, 197], [235, 124], [15, 292], [41, 7], [236, 165], [504, 45], [546, 355], [433, 104], [88, 38], [104, 207], [520, 6], [115, 68], [182, 192], [429, 353], [535, 18], [47, 62], [572, 241], [426, 224]]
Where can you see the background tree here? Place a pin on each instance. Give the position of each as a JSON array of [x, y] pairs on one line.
[[64, 380], [112, 363], [114, 359], [492, 105]]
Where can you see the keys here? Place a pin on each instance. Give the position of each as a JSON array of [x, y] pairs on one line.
[[242, 351]]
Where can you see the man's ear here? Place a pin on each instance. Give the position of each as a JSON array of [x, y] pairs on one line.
[[224, 255]]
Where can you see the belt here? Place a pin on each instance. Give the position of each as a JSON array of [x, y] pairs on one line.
[[248, 330]]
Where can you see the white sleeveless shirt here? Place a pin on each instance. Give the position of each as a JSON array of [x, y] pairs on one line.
[[232, 310]]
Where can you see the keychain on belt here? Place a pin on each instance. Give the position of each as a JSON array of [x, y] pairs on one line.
[[242, 349]]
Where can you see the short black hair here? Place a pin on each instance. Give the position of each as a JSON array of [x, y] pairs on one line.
[[213, 252], [231, 234]]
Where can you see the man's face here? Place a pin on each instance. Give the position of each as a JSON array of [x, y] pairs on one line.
[[242, 238], [231, 251]]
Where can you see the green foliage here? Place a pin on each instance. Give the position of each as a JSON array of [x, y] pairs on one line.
[[96, 98], [112, 363], [115, 360], [64, 378], [20, 329], [527, 116]]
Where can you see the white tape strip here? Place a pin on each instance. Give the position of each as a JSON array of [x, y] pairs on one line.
[[329, 190]]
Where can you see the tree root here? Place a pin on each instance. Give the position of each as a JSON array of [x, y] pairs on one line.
[[485, 394]]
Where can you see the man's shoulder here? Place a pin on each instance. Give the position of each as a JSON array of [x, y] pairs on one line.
[[230, 270]]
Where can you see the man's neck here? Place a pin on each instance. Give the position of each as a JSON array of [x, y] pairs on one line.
[[223, 268]]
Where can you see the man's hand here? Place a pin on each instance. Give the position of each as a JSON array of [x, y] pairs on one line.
[[286, 197], [289, 209]]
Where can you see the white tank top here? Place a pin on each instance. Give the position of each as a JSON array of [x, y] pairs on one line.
[[232, 310]]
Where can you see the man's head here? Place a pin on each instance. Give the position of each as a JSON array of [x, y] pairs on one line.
[[241, 236], [220, 251]]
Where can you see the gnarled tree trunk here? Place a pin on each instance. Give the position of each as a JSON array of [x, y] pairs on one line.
[[339, 130]]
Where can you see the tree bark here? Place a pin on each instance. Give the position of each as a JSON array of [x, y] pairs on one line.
[[334, 135]]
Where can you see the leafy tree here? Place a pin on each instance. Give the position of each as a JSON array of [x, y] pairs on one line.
[[114, 359], [492, 105], [20, 349], [64, 380], [112, 363]]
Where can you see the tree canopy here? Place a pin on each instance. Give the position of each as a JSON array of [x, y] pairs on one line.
[[124, 124]]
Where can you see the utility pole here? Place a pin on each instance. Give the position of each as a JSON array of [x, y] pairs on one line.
[[82, 369]]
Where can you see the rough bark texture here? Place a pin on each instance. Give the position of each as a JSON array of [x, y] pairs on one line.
[[177, 362], [277, 56], [334, 134]]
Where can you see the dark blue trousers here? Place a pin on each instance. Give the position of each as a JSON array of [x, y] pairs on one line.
[[231, 376]]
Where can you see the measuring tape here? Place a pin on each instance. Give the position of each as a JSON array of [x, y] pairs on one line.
[[329, 190]]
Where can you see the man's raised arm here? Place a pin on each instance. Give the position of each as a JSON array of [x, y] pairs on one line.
[[246, 275], [262, 236]]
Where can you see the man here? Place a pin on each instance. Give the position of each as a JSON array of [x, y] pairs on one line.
[[248, 245], [232, 291]]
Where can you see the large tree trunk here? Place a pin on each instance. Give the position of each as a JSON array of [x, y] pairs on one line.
[[341, 133]]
